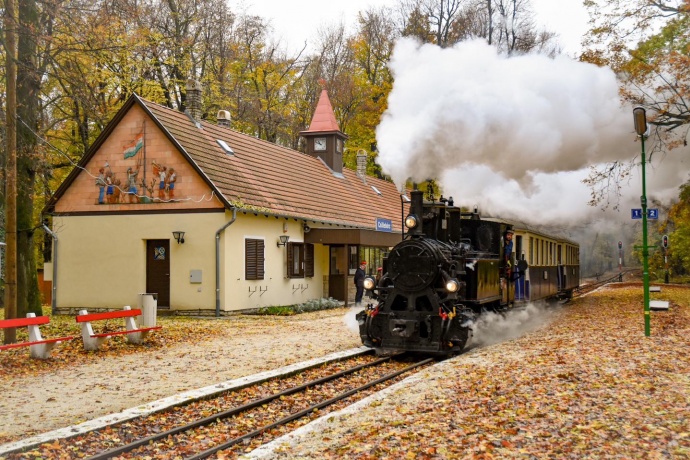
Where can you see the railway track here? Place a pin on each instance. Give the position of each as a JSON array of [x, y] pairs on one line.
[[589, 287], [238, 420]]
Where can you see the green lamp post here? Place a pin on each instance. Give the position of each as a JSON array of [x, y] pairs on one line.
[[640, 118]]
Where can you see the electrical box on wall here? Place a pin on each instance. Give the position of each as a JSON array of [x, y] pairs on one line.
[[195, 276]]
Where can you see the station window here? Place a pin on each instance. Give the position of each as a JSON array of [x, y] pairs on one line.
[[300, 260], [374, 256], [253, 259]]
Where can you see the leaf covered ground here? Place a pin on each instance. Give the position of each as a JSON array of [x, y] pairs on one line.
[[186, 354], [587, 385]]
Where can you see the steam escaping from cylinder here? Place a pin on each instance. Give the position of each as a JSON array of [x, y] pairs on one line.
[[493, 328]]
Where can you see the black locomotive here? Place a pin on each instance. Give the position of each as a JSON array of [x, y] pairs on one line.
[[450, 268]]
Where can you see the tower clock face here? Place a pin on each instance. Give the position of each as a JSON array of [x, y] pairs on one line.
[[320, 143]]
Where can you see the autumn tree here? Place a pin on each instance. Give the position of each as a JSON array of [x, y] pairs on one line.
[[646, 43], [677, 227]]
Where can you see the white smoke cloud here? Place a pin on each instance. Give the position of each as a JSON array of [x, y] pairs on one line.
[[493, 328], [512, 135], [350, 319]]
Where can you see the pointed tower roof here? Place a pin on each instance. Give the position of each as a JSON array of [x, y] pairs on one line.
[[324, 117]]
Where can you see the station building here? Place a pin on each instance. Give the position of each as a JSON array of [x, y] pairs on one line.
[[213, 221]]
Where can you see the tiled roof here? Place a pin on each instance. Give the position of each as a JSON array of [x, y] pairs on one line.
[[266, 177]]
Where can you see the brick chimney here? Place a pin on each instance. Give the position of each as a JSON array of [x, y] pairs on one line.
[[193, 100], [361, 163]]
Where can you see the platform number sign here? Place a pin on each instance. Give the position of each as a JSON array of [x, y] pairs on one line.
[[653, 213], [636, 213], [664, 241]]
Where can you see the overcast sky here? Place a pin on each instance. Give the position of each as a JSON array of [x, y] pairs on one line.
[[297, 20]]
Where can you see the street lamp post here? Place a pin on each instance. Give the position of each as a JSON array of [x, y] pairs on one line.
[[640, 118]]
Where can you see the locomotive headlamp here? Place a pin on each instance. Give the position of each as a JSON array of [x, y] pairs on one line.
[[411, 221], [369, 283], [452, 285]]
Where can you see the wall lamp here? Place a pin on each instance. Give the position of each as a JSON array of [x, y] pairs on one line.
[[179, 237], [283, 240]]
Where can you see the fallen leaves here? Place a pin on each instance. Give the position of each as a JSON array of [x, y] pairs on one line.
[[590, 385]]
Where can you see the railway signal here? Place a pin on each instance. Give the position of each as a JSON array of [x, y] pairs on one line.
[[664, 241]]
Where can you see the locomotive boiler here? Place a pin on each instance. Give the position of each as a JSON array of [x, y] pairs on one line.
[[450, 268]]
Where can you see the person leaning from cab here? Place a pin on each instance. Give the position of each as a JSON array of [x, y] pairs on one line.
[[360, 274], [508, 252]]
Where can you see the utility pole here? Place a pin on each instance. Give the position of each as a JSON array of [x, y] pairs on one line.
[[11, 168]]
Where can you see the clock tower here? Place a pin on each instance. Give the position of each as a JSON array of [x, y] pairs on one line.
[[324, 138]]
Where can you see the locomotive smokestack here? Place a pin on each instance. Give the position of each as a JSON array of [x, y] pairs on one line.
[[417, 209]]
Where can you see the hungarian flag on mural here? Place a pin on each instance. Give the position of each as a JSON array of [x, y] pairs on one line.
[[134, 147]]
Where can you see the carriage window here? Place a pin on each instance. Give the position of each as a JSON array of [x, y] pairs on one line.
[[531, 250]]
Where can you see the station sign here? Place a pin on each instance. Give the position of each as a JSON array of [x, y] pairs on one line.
[[384, 225]]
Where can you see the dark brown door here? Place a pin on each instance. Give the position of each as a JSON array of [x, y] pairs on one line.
[[338, 273], [158, 270]]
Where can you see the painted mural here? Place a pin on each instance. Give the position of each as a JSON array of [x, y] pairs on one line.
[[144, 180]]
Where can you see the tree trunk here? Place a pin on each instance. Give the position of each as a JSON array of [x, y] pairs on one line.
[[28, 85]]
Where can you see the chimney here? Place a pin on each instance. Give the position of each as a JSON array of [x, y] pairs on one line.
[[223, 118], [361, 163], [193, 100]]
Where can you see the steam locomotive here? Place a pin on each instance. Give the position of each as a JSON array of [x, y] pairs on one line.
[[451, 267]]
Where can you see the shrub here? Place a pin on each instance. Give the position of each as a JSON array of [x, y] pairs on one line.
[[310, 305]]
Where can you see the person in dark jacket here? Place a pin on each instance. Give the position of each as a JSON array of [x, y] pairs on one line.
[[359, 281], [508, 253]]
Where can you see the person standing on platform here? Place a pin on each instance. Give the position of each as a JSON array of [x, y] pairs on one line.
[[359, 282]]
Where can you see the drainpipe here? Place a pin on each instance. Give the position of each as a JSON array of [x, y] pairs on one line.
[[53, 303], [220, 230]]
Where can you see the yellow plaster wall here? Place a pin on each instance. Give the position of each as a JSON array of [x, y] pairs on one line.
[[190, 190], [102, 261], [275, 288]]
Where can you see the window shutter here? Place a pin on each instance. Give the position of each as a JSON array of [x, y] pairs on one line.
[[290, 256], [254, 259], [260, 259], [308, 260]]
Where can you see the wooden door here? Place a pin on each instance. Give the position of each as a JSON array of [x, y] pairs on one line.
[[338, 273], [158, 270]]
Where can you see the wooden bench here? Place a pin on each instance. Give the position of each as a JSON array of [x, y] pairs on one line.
[[39, 347], [93, 341]]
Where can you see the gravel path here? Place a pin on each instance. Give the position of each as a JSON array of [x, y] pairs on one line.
[[106, 384]]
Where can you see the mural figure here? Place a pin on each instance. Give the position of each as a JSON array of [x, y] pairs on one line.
[[170, 187], [109, 187], [117, 190], [160, 171], [100, 183], [132, 184]]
